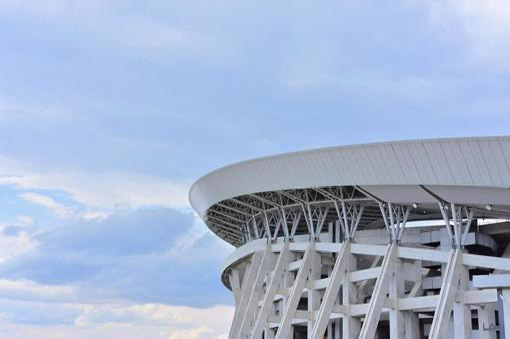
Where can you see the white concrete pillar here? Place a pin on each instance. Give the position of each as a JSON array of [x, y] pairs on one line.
[[314, 296], [235, 284], [412, 329], [288, 282], [269, 333], [338, 328], [329, 330], [351, 326], [461, 311], [505, 300], [396, 291], [486, 320], [461, 320]]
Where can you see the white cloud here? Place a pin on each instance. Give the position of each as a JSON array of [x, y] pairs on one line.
[[12, 245], [25, 219], [485, 24], [188, 239], [30, 291], [98, 191], [47, 202], [99, 257], [21, 316]]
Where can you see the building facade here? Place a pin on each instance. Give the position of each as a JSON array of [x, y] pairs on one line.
[[390, 240]]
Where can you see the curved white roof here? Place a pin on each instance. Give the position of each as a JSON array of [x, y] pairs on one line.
[[461, 170]]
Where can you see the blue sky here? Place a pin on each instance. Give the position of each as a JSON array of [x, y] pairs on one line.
[[109, 110]]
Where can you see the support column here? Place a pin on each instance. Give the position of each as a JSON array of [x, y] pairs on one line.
[[505, 316], [350, 325], [235, 284], [331, 293], [288, 282], [447, 295], [246, 288], [314, 296], [461, 217], [295, 294], [269, 333], [412, 326], [396, 291], [461, 311], [486, 321], [329, 330], [349, 217], [256, 292], [271, 289], [338, 328], [461, 320], [395, 219], [379, 295]]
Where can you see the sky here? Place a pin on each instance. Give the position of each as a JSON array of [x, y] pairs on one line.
[[109, 110]]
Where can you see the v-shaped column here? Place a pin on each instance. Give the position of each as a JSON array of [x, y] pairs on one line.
[[256, 290], [281, 265], [331, 293], [447, 295], [246, 285], [379, 294], [295, 294]]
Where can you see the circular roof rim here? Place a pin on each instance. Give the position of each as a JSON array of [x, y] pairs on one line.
[[311, 150], [201, 202]]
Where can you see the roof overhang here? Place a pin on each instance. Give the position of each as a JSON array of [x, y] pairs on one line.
[[468, 171]]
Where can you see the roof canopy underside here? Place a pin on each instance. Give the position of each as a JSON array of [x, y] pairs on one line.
[[472, 172]]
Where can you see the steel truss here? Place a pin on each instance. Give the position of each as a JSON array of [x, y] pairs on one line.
[[288, 213]]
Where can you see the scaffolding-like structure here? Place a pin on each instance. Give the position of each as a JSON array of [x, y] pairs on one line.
[[390, 240]]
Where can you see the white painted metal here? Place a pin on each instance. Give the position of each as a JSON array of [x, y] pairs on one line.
[[390, 167]]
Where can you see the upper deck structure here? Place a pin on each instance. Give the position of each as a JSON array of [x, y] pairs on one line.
[[323, 249]]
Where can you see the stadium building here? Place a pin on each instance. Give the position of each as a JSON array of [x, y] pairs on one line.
[[388, 240]]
